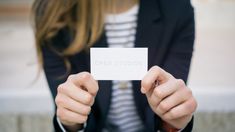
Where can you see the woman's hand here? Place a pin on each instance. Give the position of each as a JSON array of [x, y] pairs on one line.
[[74, 100], [168, 97]]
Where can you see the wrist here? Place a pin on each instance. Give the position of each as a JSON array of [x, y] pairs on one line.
[[169, 128], [74, 127], [69, 127]]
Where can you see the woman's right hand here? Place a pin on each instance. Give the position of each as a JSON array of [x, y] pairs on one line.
[[74, 100]]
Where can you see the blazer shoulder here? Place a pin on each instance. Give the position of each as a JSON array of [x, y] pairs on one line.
[[173, 9]]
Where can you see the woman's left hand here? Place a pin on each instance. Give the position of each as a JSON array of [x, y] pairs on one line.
[[168, 97]]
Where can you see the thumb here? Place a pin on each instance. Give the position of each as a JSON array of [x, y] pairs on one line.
[[155, 74]]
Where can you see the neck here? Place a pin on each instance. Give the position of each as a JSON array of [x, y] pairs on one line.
[[119, 6]]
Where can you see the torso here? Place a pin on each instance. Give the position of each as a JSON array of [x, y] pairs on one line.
[[120, 31]]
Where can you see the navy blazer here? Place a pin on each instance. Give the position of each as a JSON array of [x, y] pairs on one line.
[[166, 27]]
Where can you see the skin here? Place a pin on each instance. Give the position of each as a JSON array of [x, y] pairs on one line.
[[74, 100], [169, 98], [121, 6]]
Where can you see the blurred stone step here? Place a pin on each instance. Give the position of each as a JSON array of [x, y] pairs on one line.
[[26, 123], [203, 122], [214, 122]]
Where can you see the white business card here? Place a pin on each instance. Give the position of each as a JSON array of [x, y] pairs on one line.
[[119, 63]]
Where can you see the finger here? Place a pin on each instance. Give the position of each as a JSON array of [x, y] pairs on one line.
[[153, 75], [150, 91], [86, 81], [153, 101], [72, 105], [186, 108], [160, 92], [76, 93], [67, 116], [173, 100], [166, 89]]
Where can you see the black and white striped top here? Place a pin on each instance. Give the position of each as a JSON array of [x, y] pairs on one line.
[[120, 32]]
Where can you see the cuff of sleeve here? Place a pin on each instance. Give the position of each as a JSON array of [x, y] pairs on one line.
[[64, 130], [167, 128]]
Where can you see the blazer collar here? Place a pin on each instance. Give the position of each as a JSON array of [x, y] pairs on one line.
[[149, 10], [149, 13]]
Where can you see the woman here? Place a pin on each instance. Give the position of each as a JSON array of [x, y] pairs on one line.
[[65, 30]]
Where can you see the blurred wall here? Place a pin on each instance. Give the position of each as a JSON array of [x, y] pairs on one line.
[[26, 105], [212, 73]]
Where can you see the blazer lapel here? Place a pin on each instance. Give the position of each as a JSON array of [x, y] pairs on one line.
[[150, 27], [149, 31], [103, 97]]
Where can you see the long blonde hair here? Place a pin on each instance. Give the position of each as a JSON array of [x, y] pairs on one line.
[[85, 17]]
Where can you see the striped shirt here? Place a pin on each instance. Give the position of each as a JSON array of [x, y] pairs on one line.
[[120, 31]]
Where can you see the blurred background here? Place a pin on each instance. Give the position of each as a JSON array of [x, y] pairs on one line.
[[26, 106]]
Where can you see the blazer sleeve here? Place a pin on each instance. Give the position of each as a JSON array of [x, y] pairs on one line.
[[54, 66], [178, 59], [55, 71]]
